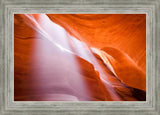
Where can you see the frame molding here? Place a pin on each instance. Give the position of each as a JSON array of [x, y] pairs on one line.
[[10, 7]]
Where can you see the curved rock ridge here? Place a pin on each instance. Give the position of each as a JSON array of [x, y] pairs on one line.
[[52, 64], [124, 68]]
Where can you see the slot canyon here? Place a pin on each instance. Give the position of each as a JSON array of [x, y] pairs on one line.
[[79, 57]]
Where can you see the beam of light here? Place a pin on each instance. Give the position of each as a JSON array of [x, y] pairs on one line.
[[41, 29], [63, 85], [82, 50], [62, 40]]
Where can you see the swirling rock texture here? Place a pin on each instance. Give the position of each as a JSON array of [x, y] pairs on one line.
[[80, 57]]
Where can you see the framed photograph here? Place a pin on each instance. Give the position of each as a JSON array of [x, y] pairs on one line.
[[80, 57]]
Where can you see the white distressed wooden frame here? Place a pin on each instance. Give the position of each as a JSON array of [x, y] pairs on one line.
[[10, 7]]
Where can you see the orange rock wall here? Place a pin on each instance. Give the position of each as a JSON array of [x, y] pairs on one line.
[[122, 36], [125, 32]]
